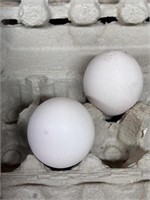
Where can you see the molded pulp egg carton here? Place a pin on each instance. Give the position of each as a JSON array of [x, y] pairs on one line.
[[45, 49]]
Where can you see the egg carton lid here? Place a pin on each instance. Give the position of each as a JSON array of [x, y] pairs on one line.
[[59, 9]]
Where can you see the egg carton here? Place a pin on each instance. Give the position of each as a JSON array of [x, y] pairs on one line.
[[48, 61], [92, 178]]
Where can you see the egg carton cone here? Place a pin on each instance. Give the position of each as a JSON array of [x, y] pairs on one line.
[[45, 56]]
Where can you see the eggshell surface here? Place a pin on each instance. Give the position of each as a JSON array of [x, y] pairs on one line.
[[61, 132], [113, 82]]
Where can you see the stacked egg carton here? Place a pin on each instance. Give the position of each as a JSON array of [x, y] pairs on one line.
[[46, 47]]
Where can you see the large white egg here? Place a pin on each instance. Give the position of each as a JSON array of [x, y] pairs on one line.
[[113, 82], [61, 132]]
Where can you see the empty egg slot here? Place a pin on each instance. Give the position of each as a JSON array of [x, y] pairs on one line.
[[8, 168], [126, 163], [9, 22], [59, 21], [108, 20], [148, 19]]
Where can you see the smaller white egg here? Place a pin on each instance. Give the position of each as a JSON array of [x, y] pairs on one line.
[[61, 132], [113, 82]]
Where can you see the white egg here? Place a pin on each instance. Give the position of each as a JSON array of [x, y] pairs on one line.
[[61, 132], [113, 82]]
